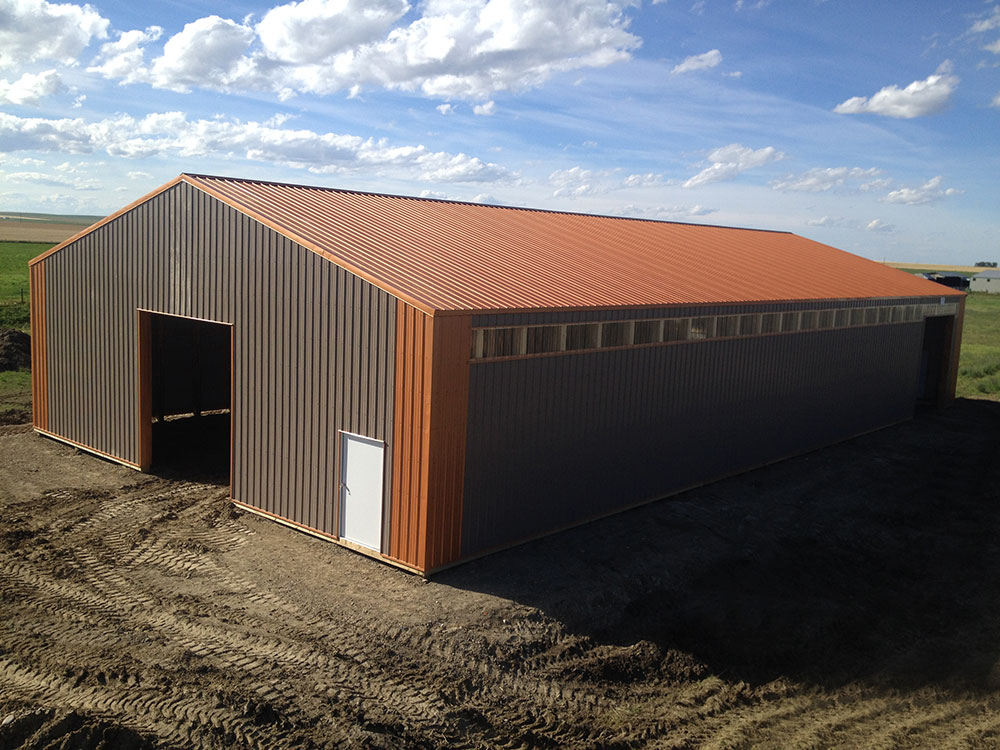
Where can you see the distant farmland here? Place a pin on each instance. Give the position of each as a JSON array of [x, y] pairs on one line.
[[29, 227]]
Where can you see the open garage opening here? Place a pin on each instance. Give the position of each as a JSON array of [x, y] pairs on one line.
[[186, 397]]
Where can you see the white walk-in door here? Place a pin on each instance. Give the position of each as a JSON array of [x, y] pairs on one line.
[[361, 464]]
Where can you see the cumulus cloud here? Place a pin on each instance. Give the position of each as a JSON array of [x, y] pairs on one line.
[[453, 50], [996, 101], [820, 180], [920, 98], [315, 30], [699, 62], [926, 193], [124, 58], [994, 47], [574, 183], [173, 133], [729, 161], [488, 108], [30, 88], [33, 30], [445, 109], [208, 52]]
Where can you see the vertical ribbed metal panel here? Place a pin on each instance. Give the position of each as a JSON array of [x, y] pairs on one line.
[[313, 344], [553, 441], [432, 386]]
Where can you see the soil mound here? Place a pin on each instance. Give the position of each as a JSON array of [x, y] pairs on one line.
[[15, 349]]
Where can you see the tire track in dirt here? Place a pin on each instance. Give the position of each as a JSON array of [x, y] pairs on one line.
[[173, 717]]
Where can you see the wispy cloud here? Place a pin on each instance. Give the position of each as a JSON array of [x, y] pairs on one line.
[[920, 98], [729, 161], [172, 133], [820, 180], [703, 61]]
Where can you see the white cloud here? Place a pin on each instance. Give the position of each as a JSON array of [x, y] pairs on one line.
[[699, 62], [487, 199], [574, 182], [453, 50], [920, 98], [831, 221], [30, 88], [125, 58], [445, 109], [877, 225], [987, 24], [996, 101], [206, 53], [820, 180], [642, 180], [32, 30], [312, 31], [929, 191], [665, 213], [734, 74], [41, 178], [731, 160], [172, 133], [994, 47], [78, 102], [139, 175], [487, 108]]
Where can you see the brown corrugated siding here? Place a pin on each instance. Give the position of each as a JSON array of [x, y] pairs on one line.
[[432, 381], [313, 345], [444, 256], [39, 379], [554, 441]]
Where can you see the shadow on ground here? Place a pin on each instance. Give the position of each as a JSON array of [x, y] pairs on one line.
[[874, 560]]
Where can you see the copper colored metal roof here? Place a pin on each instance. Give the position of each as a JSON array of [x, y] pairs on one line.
[[445, 256]]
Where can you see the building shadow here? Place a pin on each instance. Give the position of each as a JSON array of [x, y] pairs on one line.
[[874, 559]]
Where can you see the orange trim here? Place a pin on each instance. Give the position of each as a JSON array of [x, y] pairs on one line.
[[431, 400], [39, 360], [410, 438], [450, 399], [145, 384], [88, 449], [104, 221]]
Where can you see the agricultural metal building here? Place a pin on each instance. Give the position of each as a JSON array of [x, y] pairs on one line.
[[986, 281], [426, 381]]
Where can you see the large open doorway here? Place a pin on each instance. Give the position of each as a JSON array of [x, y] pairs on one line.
[[935, 360], [185, 384]]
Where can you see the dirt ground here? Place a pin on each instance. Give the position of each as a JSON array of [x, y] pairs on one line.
[[846, 598]]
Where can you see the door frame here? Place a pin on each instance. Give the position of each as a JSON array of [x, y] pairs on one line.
[[343, 436], [144, 384]]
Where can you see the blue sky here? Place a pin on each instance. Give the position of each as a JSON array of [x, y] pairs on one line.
[[869, 126]]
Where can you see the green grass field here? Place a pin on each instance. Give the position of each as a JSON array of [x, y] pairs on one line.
[[979, 365], [14, 257]]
